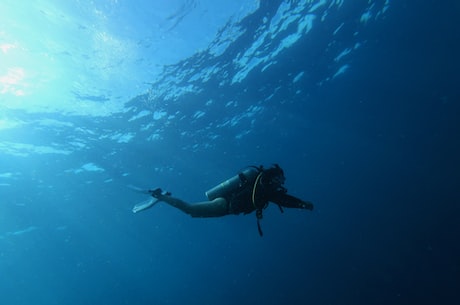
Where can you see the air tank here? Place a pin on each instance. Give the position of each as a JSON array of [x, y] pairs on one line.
[[231, 185]]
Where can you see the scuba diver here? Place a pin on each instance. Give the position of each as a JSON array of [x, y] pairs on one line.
[[251, 190]]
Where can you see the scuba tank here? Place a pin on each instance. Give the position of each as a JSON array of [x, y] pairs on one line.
[[231, 185]]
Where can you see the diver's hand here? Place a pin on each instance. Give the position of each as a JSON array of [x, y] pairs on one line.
[[307, 205]]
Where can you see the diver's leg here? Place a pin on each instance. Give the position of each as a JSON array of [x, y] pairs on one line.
[[215, 208]]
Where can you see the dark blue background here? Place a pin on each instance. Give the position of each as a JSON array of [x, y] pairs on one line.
[[376, 150]]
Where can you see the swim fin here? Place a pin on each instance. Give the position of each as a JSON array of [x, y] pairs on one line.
[[144, 205], [139, 190]]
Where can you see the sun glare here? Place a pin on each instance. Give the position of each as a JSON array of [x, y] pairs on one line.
[[11, 78], [11, 81], [6, 47]]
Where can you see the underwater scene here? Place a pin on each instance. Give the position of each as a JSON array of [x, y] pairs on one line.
[[315, 143]]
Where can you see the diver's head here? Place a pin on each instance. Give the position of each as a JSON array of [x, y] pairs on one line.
[[273, 177]]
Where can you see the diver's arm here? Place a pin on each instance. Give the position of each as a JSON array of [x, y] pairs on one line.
[[290, 201]]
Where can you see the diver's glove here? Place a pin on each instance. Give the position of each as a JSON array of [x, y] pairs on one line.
[[307, 205]]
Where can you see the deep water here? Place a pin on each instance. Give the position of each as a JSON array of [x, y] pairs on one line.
[[361, 111]]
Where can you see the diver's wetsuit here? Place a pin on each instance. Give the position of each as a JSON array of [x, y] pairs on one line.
[[241, 201]]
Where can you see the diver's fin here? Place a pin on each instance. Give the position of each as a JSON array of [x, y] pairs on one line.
[[156, 192], [139, 190], [144, 205]]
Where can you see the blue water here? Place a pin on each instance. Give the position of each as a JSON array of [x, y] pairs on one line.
[[356, 100]]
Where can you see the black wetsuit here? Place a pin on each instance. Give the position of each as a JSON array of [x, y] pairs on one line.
[[241, 201]]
